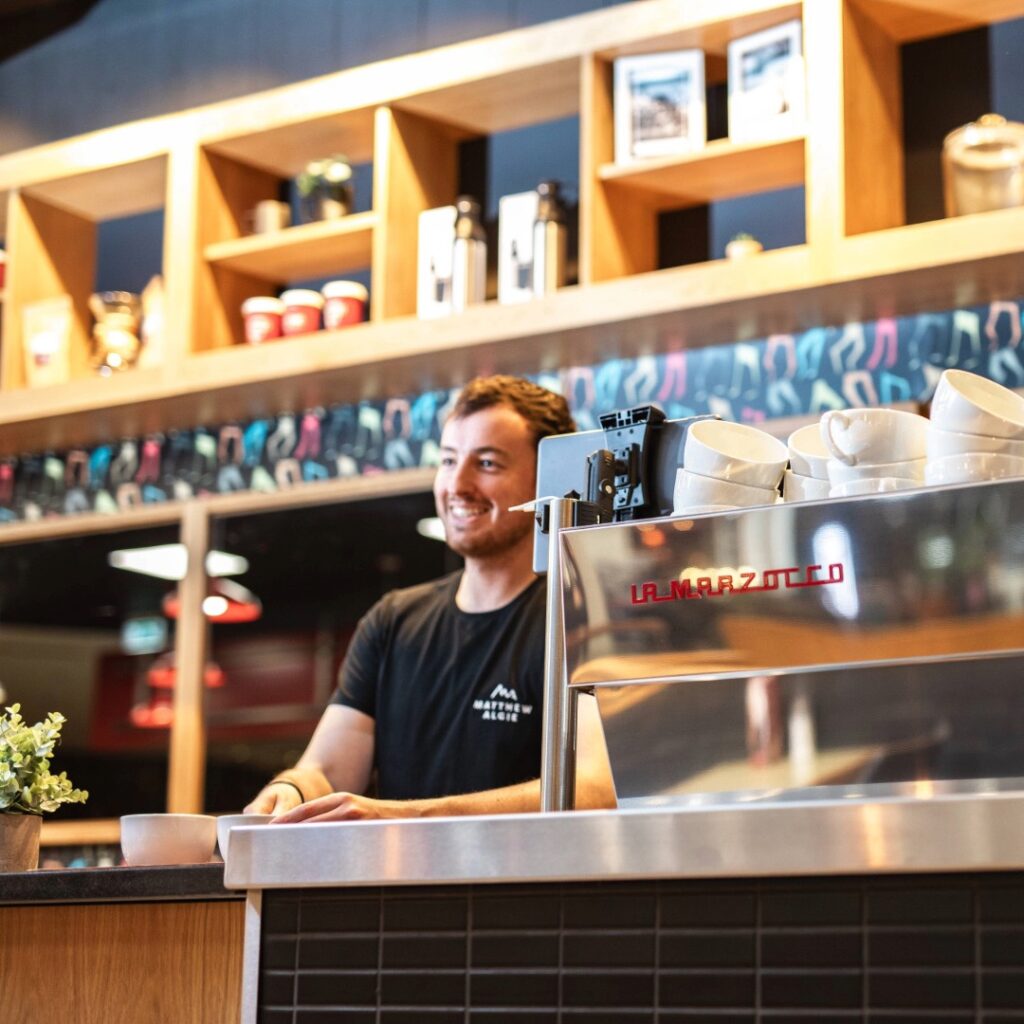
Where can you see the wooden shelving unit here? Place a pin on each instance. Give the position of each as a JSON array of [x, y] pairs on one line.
[[206, 168]]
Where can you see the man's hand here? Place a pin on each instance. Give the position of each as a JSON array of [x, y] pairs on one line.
[[346, 807], [274, 798]]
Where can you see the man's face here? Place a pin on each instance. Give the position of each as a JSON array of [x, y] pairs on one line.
[[488, 462]]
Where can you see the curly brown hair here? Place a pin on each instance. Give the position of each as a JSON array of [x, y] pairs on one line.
[[545, 412]]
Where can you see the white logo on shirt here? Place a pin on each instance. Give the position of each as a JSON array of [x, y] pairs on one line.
[[502, 706]]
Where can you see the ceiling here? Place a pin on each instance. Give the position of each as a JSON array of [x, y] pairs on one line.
[[23, 23]]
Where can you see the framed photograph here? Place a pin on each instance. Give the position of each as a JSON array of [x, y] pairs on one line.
[[766, 84], [659, 105]]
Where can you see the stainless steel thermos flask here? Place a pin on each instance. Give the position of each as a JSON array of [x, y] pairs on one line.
[[469, 255], [549, 240]]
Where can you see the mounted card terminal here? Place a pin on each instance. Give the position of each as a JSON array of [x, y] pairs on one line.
[[624, 471]]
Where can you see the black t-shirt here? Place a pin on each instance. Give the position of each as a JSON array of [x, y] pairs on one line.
[[456, 696]]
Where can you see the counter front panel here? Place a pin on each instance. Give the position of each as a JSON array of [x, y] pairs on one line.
[[942, 947]]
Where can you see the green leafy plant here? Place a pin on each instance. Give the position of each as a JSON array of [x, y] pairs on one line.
[[329, 175], [27, 786]]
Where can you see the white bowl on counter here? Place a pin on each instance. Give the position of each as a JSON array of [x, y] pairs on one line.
[[150, 839], [226, 822]]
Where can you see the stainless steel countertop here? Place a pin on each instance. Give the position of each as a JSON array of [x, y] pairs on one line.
[[932, 831]]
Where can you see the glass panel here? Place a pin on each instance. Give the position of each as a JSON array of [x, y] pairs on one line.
[[80, 637], [315, 571]]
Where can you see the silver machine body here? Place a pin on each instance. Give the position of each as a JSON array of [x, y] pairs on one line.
[[841, 649]]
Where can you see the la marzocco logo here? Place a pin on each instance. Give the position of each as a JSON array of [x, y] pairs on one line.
[[791, 578]]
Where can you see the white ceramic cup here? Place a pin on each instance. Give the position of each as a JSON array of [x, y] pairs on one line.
[[969, 404], [872, 485], [226, 822], [807, 452], [148, 839], [797, 487], [949, 442], [971, 467], [874, 435], [270, 215], [841, 473], [734, 451], [693, 490]]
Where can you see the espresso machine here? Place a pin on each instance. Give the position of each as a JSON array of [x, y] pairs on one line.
[[844, 649]]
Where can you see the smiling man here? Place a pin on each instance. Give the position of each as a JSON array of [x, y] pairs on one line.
[[441, 689]]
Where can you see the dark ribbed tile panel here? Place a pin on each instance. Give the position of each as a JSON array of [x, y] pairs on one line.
[[932, 949]]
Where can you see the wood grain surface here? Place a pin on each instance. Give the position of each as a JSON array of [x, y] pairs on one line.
[[137, 963]]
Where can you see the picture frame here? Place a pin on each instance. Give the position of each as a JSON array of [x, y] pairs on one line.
[[767, 94], [659, 105]]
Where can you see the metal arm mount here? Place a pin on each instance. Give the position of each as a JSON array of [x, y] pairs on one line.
[[558, 735]]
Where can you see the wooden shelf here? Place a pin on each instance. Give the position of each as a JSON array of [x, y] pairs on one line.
[[886, 273], [110, 192], [284, 149], [907, 20], [720, 170], [304, 251]]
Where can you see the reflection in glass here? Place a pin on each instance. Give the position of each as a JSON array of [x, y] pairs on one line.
[[80, 637], [315, 571]]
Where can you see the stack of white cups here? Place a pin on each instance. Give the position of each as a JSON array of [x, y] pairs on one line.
[[807, 476], [874, 450], [976, 431], [728, 465]]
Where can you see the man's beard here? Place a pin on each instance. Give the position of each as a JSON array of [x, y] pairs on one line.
[[495, 541]]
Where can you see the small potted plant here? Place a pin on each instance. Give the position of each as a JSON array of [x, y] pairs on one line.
[[28, 788], [325, 187], [742, 245]]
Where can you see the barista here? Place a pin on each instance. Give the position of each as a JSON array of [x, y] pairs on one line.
[[441, 690]]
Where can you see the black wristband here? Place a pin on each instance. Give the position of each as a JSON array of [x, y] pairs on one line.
[[288, 782]]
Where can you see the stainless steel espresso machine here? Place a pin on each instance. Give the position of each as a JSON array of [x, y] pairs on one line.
[[846, 649]]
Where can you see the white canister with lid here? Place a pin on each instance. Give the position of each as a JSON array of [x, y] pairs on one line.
[[983, 166]]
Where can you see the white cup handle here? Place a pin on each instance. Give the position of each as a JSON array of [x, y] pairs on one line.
[[835, 416]]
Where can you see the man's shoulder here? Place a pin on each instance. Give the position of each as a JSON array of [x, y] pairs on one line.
[[411, 600]]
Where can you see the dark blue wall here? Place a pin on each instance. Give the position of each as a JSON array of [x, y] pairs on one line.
[[135, 58]]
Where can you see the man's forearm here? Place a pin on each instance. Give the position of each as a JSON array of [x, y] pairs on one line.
[[519, 799], [308, 779]]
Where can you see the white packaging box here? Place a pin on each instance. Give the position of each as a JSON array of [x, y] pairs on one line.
[[434, 262], [516, 214]]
